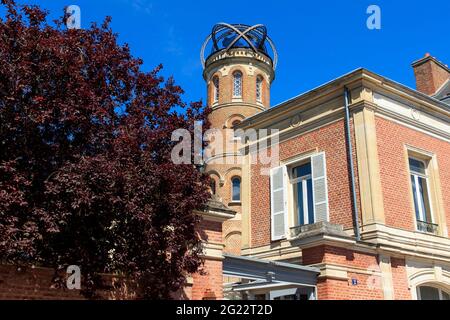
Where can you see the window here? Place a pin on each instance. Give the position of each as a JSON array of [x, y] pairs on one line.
[[421, 195], [259, 82], [298, 195], [431, 293], [236, 189], [216, 88], [303, 194], [212, 186], [234, 124], [237, 84]]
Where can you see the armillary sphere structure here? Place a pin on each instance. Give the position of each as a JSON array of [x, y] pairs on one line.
[[225, 37]]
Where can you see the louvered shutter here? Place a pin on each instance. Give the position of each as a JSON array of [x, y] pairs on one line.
[[278, 203], [320, 189]]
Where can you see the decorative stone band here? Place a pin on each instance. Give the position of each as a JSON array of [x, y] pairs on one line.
[[240, 53], [216, 216], [213, 251], [244, 57], [215, 212]]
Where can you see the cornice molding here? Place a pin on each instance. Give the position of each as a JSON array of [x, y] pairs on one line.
[[257, 106], [407, 243], [358, 78], [215, 216]]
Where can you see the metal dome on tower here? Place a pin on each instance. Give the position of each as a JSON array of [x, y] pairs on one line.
[[226, 38]]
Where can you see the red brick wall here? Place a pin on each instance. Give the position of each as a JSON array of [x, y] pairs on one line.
[[400, 280], [37, 284], [248, 87], [392, 139], [368, 286], [208, 284], [210, 231], [330, 139], [31, 284], [341, 256], [333, 289]]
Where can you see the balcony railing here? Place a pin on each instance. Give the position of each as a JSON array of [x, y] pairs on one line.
[[427, 227]]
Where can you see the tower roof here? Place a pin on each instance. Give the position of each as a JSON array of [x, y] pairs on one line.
[[225, 37]]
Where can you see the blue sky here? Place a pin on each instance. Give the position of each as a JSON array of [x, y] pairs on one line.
[[317, 40]]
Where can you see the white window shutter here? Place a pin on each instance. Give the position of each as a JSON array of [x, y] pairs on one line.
[[320, 193], [278, 203]]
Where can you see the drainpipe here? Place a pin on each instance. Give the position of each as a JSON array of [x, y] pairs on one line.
[[352, 166]]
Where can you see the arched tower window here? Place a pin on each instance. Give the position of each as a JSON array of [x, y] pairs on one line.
[[237, 84], [212, 186], [216, 88], [259, 83], [236, 192]]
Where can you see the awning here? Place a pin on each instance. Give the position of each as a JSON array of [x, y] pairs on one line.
[[269, 273]]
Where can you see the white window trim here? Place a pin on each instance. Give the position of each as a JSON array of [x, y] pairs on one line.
[[304, 180], [431, 286], [417, 196], [290, 190]]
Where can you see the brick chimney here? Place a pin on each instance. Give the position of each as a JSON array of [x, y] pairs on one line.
[[430, 74]]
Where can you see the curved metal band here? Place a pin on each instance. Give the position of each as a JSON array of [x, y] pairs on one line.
[[240, 35]]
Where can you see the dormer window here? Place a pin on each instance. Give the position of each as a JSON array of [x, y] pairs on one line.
[[237, 84]]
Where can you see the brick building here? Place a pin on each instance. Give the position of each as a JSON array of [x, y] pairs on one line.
[[353, 204], [358, 197]]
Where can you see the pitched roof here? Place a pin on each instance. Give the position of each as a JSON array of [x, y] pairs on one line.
[[341, 81], [443, 93]]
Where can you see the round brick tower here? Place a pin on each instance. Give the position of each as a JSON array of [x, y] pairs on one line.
[[239, 66]]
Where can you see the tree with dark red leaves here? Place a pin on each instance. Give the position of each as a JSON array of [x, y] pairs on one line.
[[86, 176]]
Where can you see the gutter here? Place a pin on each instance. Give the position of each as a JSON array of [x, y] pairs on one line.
[[352, 165]]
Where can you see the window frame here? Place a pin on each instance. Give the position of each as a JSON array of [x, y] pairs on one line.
[[439, 289], [305, 195], [289, 164], [213, 186], [216, 89], [417, 197], [420, 197], [259, 88], [239, 95], [233, 200]]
